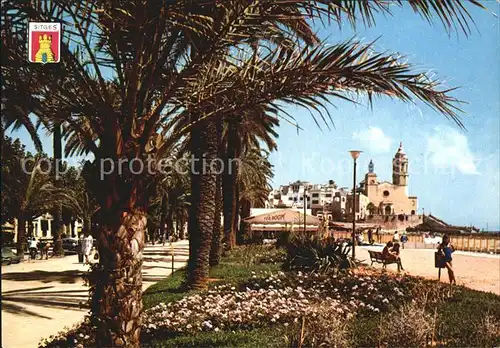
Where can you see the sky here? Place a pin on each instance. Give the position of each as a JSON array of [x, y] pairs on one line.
[[455, 173]]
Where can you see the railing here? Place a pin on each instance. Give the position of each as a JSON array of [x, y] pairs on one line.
[[466, 242]]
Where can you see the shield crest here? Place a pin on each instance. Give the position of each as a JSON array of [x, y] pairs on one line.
[[44, 42]]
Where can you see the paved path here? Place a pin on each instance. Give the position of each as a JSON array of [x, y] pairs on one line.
[[40, 298], [474, 270]]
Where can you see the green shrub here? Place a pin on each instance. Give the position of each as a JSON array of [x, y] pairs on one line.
[[313, 254], [284, 238]]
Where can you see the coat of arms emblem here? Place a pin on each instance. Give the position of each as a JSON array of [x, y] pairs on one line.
[[44, 42]]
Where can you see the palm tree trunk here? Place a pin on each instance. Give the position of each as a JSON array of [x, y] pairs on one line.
[[87, 225], [245, 212], [236, 220], [170, 226], [182, 224], [151, 231], [57, 230], [163, 216], [57, 226], [21, 235], [177, 227], [117, 281], [202, 209], [216, 250], [229, 182]]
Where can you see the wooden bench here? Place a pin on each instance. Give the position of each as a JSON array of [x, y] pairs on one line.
[[376, 256]]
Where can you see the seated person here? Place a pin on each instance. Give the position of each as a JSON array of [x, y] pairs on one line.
[[386, 251], [395, 254], [391, 253]]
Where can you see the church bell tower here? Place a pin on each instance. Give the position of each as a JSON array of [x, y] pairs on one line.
[[400, 167], [370, 180]]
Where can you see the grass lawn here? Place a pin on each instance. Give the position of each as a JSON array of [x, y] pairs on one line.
[[234, 269]]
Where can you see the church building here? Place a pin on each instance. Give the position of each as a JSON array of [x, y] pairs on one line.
[[391, 198]]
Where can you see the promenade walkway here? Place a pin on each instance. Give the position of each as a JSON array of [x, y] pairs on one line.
[[42, 297], [474, 270]]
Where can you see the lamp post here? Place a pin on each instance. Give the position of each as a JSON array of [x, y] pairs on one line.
[[305, 206], [354, 154]]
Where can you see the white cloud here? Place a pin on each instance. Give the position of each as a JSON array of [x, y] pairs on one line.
[[448, 148], [373, 139]]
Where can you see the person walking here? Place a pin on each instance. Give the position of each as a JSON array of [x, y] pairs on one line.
[[377, 233], [44, 250], [395, 238], [88, 242], [370, 236], [33, 248], [404, 239], [80, 248]]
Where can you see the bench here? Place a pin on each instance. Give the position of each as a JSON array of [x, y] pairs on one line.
[[376, 256]]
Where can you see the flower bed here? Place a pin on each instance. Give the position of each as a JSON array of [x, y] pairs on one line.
[[276, 298]]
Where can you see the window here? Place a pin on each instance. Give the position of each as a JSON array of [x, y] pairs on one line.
[[290, 198], [315, 201], [328, 195], [343, 199], [413, 212], [386, 193], [315, 195]]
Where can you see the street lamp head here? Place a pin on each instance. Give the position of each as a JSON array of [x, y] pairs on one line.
[[355, 154]]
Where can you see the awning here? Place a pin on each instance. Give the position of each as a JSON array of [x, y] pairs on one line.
[[284, 216], [282, 227]]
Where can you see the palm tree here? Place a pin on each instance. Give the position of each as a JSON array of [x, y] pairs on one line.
[[185, 60], [253, 185], [372, 208], [57, 212], [36, 196], [250, 129]]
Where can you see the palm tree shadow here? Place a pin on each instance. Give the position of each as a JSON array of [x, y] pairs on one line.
[[19, 310], [13, 301], [65, 277]]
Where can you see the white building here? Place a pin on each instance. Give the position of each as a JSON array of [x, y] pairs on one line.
[[41, 227], [291, 195], [317, 196]]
